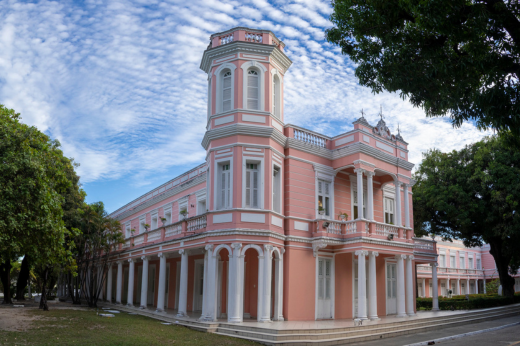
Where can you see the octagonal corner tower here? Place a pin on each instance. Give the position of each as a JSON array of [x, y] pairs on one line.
[[245, 125]]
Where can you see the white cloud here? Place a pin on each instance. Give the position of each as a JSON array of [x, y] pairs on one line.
[[119, 84]]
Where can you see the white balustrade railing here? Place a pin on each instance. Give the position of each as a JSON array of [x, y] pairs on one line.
[[173, 229], [226, 39], [126, 244], [334, 227], [154, 235], [424, 268], [310, 138], [139, 240], [385, 229], [351, 227], [424, 245], [252, 37], [197, 223]]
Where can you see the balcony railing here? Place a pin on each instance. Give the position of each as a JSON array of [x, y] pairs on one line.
[[386, 229], [154, 235], [139, 240], [424, 245], [196, 223], [310, 138], [173, 229]]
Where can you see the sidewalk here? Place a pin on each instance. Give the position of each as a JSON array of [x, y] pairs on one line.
[[477, 340]]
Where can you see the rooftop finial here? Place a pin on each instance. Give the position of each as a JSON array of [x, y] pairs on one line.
[[362, 113], [381, 112]]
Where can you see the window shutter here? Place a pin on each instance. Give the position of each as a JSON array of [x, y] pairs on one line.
[[319, 187], [226, 92], [223, 190], [326, 188], [255, 189], [248, 188], [252, 90], [228, 189]]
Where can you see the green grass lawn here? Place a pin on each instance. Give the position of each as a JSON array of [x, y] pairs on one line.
[[84, 327]]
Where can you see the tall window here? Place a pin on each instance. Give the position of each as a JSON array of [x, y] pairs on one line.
[[324, 197], [141, 225], [356, 203], [224, 186], [462, 265], [252, 89], [252, 185], [209, 98], [128, 232], [389, 210], [478, 264], [470, 263], [452, 262], [168, 217], [442, 260], [226, 91], [276, 97], [277, 189]]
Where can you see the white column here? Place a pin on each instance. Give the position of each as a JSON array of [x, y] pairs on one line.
[[435, 288], [370, 196], [260, 303], [401, 305], [458, 287], [109, 283], [213, 269], [278, 298], [476, 286], [424, 288], [406, 206], [205, 294], [144, 283], [359, 172], [398, 221], [410, 306], [183, 287], [372, 286], [235, 294], [162, 283], [119, 289], [448, 287], [467, 285], [362, 282], [266, 300], [485, 291], [130, 296]]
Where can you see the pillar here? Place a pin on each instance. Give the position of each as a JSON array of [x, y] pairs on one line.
[[278, 287], [398, 221], [410, 306], [144, 283], [467, 285], [119, 289], [359, 172], [458, 287], [476, 286], [261, 273], [401, 307], [435, 288], [205, 294], [109, 283], [183, 287], [485, 291], [370, 197], [266, 282], [448, 287], [131, 271], [235, 293], [362, 281], [406, 206], [100, 283], [162, 283], [424, 288], [372, 286]]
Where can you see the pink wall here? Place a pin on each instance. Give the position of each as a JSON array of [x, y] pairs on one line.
[[299, 285], [343, 286]]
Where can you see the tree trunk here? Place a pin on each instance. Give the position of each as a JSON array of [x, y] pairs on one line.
[[21, 283], [43, 300], [5, 276], [502, 263]]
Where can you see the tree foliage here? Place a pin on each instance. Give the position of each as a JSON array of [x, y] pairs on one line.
[[456, 57], [32, 180], [473, 194]]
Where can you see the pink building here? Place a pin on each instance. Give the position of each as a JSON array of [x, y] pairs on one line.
[[280, 222], [461, 270]]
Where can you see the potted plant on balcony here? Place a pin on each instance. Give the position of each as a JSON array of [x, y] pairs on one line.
[[132, 231], [163, 220], [184, 212], [146, 227], [343, 216]]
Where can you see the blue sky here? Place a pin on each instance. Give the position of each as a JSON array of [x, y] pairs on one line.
[[119, 84]]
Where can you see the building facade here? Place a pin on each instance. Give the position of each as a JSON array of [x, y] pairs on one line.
[[280, 222], [459, 269]]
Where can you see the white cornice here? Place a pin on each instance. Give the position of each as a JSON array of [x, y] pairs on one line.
[[245, 130]]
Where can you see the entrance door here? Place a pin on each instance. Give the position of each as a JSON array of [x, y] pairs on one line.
[[356, 288], [454, 288], [139, 284], [167, 289], [151, 285], [391, 288], [199, 285], [324, 288]]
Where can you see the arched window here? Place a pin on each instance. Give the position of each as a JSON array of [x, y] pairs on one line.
[[276, 97], [252, 89], [226, 91]]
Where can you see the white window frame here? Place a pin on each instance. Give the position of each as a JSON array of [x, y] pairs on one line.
[[183, 203], [471, 263], [388, 193], [167, 210], [216, 188], [201, 197], [391, 213], [462, 263], [442, 260], [276, 108], [261, 93], [219, 73], [479, 263], [154, 216], [128, 230], [261, 173], [142, 222], [274, 196], [453, 261], [325, 195]]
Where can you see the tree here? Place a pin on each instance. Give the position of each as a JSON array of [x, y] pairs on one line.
[[473, 194], [456, 57], [98, 236], [32, 179]]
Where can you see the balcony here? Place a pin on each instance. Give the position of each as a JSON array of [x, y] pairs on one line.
[[361, 228]]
